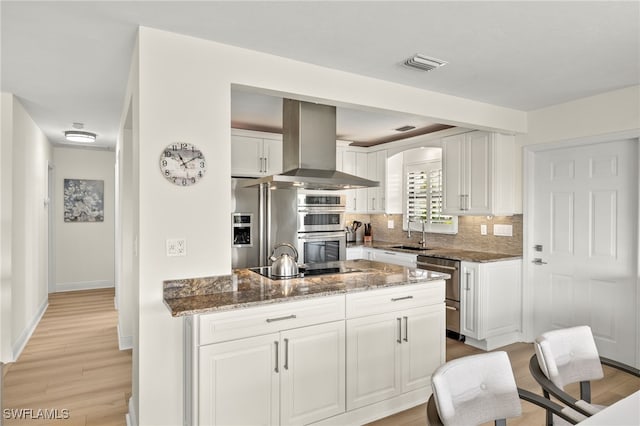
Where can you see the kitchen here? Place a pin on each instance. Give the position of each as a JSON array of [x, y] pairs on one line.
[[201, 214]]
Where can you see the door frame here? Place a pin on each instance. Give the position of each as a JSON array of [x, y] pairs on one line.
[[51, 225], [529, 153]]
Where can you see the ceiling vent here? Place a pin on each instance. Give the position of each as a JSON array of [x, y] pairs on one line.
[[405, 128], [424, 63]]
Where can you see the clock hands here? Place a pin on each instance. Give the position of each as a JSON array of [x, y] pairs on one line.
[[182, 160]]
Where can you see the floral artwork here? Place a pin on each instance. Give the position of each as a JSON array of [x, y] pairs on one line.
[[83, 200]]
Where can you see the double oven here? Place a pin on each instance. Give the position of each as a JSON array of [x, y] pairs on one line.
[[321, 227]]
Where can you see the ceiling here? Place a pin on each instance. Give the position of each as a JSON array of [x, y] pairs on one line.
[[68, 61]]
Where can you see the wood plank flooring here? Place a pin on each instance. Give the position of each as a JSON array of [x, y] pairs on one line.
[[72, 362]]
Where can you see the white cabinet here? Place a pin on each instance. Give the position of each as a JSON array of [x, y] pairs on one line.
[[478, 173], [394, 257], [355, 253], [368, 165], [393, 352], [282, 364], [236, 375], [255, 153], [376, 170], [491, 302]]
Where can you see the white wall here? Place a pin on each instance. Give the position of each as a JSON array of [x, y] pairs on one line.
[[24, 280], [184, 95], [6, 203], [84, 251]]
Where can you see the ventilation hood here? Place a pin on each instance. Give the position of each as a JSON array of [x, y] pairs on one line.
[[309, 150]]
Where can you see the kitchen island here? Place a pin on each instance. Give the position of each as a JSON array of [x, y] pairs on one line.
[[344, 348]]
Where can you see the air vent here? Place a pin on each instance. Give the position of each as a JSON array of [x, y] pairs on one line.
[[424, 63], [405, 128]]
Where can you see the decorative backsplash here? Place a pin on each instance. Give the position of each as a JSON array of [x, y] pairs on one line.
[[467, 238]]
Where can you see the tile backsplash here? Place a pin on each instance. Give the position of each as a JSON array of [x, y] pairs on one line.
[[467, 238]]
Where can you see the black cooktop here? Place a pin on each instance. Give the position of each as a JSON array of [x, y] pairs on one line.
[[306, 271]]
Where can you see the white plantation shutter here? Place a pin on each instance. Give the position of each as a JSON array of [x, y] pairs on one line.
[[424, 198]]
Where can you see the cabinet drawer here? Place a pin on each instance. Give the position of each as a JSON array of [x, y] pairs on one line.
[[236, 324], [394, 298]]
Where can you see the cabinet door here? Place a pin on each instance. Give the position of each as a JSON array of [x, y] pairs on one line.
[[362, 205], [469, 299], [349, 166], [423, 342], [239, 383], [453, 153], [394, 257], [272, 152], [478, 176], [246, 156], [373, 359], [313, 373]]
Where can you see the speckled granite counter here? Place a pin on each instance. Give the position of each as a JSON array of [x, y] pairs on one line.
[[446, 253], [244, 288]]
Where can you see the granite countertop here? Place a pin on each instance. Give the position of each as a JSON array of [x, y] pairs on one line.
[[244, 288], [445, 253]]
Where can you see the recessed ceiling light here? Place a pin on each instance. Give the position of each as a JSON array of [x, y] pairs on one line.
[[405, 128], [424, 63], [80, 136]]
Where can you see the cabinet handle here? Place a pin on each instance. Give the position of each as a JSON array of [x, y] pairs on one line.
[[390, 252], [406, 329], [373, 203], [452, 308], [266, 164], [277, 354], [395, 299], [281, 318], [399, 330], [467, 274], [354, 203], [286, 354], [461, 202]]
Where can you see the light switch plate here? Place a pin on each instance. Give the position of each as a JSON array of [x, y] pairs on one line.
[[503, 230], [390, 224], [176, 247], [483, 229]]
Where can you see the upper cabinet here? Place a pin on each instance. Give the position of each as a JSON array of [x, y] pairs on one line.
[[478, 174], [255, 153], [368, 165]]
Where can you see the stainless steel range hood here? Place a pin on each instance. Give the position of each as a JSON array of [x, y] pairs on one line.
[[309, 150]]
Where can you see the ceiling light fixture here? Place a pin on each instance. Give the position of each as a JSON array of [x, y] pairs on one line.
[[80, 136], [424, 63]]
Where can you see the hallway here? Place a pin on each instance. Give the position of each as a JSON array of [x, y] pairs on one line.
[[72, 366]]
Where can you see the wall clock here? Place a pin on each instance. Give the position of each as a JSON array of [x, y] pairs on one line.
[[182, 164]]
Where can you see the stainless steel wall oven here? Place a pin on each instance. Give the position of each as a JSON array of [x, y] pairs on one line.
[[321, 227]]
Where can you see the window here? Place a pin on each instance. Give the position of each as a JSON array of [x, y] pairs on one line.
[[423, 192]]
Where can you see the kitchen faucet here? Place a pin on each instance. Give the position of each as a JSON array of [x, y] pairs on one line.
[[423, 242]]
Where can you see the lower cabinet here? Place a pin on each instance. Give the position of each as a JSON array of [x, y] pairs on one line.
[[394, 257], [292, 377], [344, 359], [491, 303], [392, 353]]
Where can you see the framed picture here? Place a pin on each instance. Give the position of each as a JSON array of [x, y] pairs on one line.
[[83, 200]]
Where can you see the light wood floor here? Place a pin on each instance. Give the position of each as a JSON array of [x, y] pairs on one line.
[[72, 362], [613, 387]]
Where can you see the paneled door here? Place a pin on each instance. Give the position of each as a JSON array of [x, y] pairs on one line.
[[585, 217]]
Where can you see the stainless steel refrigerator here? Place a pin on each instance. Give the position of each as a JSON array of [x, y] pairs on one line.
[[260, 219]]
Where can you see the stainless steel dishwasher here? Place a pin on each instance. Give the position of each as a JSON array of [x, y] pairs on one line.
[[452, 290]]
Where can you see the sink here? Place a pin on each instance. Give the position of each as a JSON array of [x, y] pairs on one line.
[[410, 248]]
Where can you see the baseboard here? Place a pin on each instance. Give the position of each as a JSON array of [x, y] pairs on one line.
[[83, 285], [130, 417], [379, 410], [124, 342], [492, 343], [19, 345]]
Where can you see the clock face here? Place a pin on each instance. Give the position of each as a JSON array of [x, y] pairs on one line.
[[182, 164]]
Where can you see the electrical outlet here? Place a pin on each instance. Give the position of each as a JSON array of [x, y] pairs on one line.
[[176, 247], [390, 224], [503, 230], [483, 229]]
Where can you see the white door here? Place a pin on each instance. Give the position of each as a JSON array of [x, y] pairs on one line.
[[373, 359], [423, 338], [585, 215], [312, 382], [239, 383], [272, 152]]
